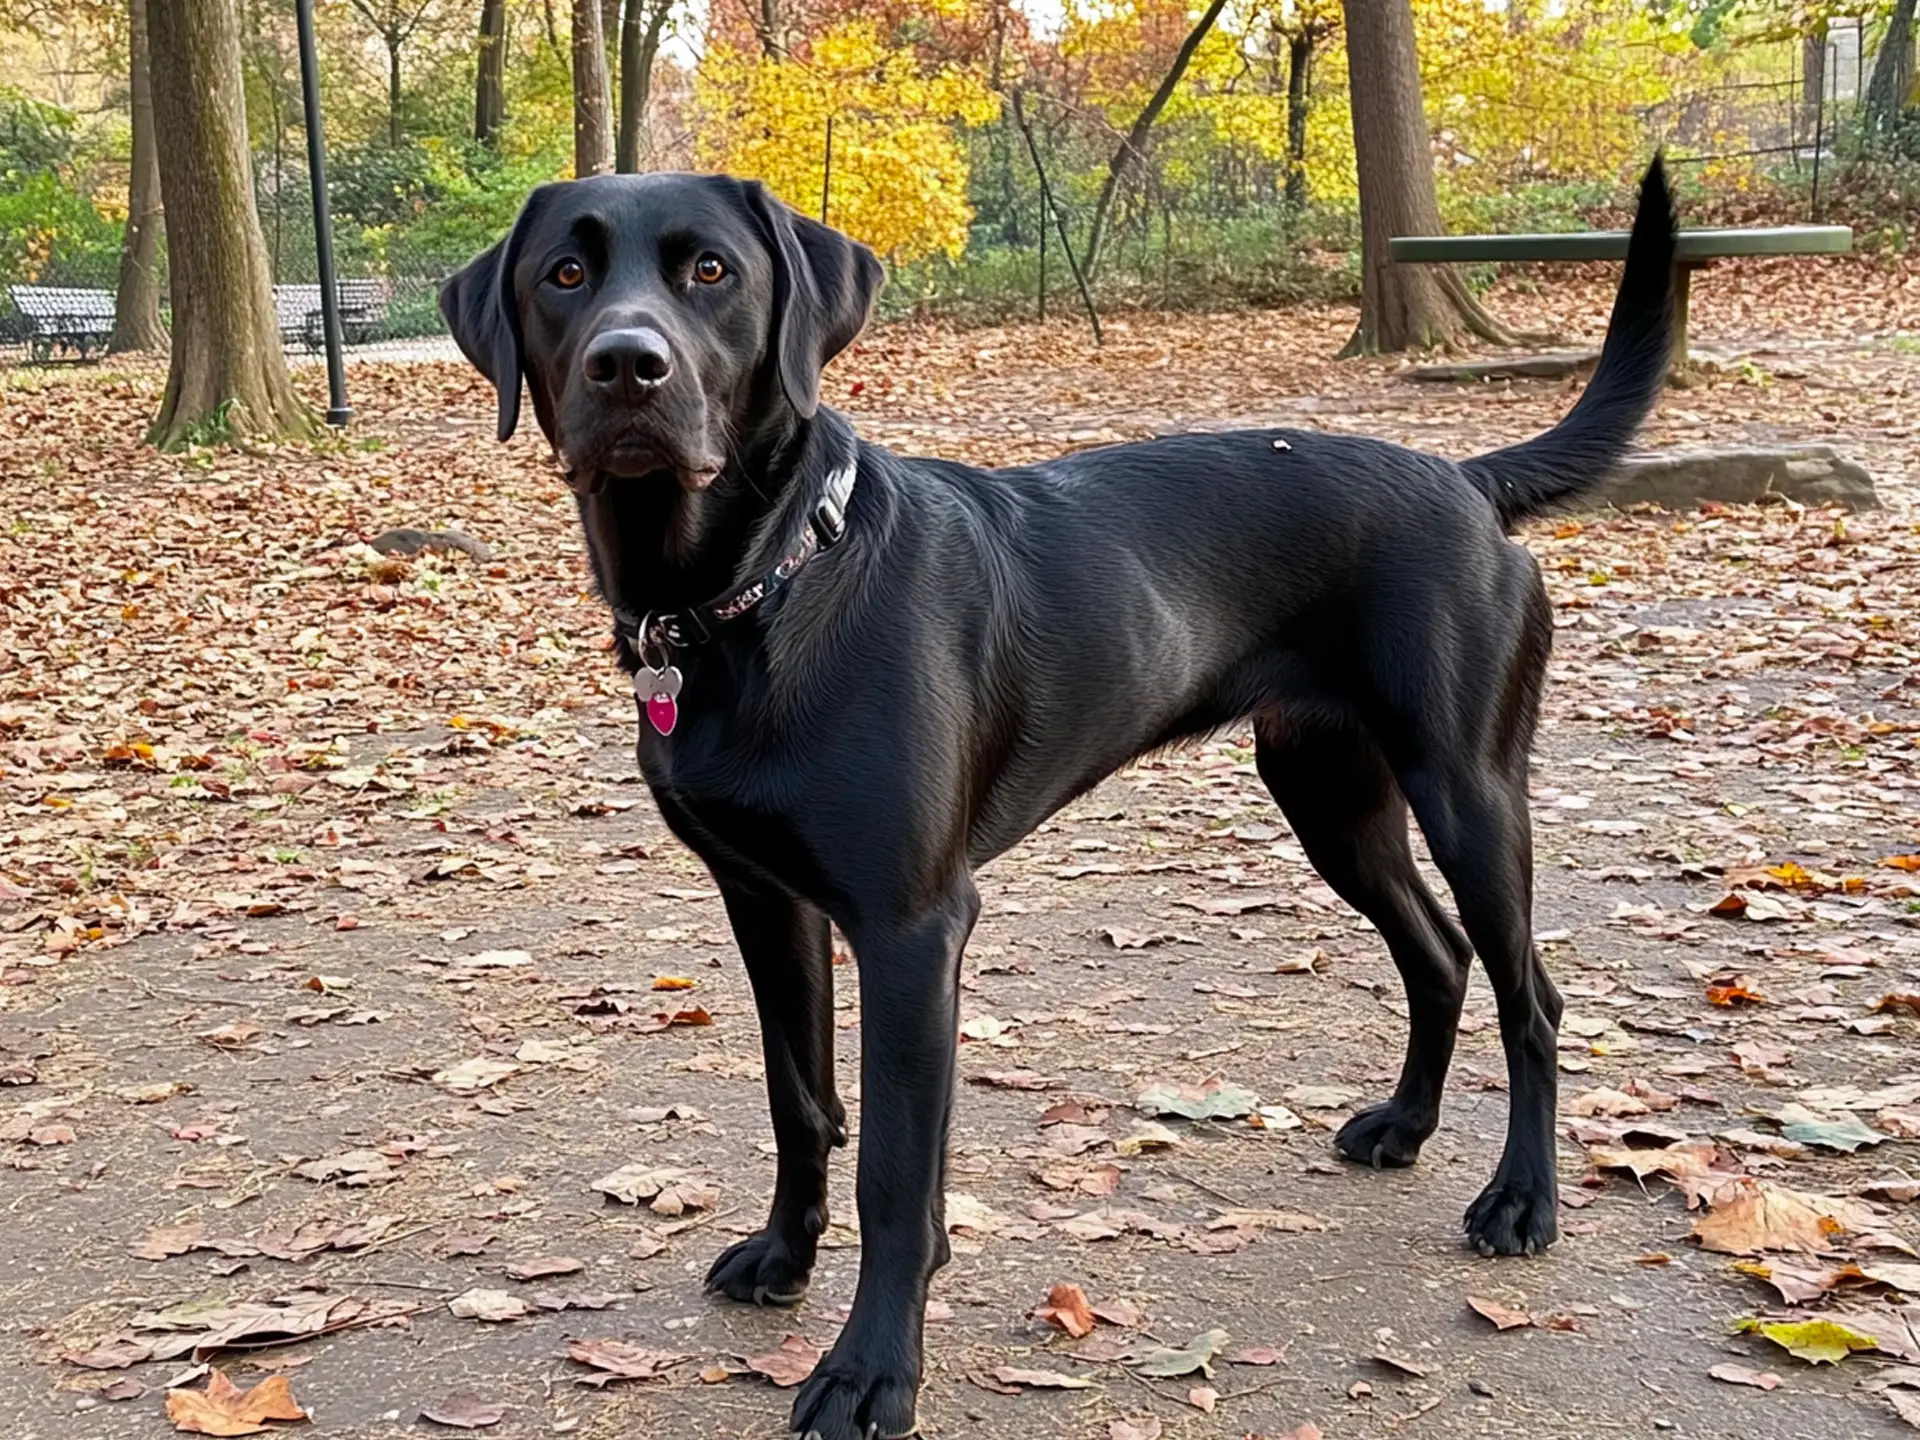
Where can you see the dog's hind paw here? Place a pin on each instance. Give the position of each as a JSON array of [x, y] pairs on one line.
[[1513, 1217], [760, 1271], [848, 1405], [1383, 1136]]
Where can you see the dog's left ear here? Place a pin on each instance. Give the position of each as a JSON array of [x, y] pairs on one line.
[[483, 313], [823, 290]]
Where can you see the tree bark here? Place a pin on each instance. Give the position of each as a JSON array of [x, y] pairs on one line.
[[1892, 78], [1133, 147], [393, 93], [592, 109], [490, 76], [1299, 67], [641, 29], [1813, 79], [136, 304], [1401, 306], [772, 42], [228, 376]]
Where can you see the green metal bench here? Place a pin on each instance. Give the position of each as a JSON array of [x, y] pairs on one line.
[[1695, 251]]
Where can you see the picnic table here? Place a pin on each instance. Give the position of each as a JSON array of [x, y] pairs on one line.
[[56, 318], [1695, 250]]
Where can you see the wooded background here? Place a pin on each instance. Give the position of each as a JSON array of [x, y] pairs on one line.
[[1198, 155]]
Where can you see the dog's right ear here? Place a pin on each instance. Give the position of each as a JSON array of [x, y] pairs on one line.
[[483, 313]]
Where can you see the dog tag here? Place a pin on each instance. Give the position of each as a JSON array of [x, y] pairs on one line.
[[659, 692]]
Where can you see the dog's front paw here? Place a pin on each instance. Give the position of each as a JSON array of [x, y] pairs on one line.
[[1514, 1217], [1383, 1136], [852, 1400], [761, 1270]]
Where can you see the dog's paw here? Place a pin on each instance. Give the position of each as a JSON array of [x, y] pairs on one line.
[[760, 1271], [1514, 1217], [1383, 1136], [851, 1402]]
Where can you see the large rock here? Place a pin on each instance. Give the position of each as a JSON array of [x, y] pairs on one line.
[[1540, 365], [1806, 474]]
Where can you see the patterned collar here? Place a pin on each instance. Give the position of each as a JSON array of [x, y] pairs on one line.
[[659, 635]]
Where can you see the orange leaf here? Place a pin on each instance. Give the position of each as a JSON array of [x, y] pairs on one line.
[[673, 982], [1909, 863], [225, 1409], [1067, 1307]]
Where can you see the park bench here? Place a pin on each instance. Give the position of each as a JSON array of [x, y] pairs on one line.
[[1696, 249], [363, 306], [56, 319]]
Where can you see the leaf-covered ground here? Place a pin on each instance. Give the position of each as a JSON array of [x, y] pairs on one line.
[[362, 1029]]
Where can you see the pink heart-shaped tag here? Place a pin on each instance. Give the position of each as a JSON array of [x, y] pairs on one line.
[[663, 712]]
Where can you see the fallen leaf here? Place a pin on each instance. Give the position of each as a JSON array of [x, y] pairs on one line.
[[542, 1266], [1741, 1375], [1215, 1100], [665, 1191], [674, 982], [617, 1360], [225, 1409], [788, 1363], [1067, 1308], [464, 1410], [1149, 1135], [1203, 1398], [1808, 1127], [1818, 1342], [492, 1306], [479, 1073], [1197, 1354], [1134, 1427], [1040, 1379], [1753, 1216], [1504, 1317]]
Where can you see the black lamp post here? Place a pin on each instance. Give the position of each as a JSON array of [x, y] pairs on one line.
[[338, 411]]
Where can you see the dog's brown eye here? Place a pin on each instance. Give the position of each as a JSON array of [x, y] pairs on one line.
[[569, 274], [709, 270]]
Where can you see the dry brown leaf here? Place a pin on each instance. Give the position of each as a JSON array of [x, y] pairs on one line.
[[1067, 1308], [1753, 1216], [617, 1360], [1504, 1317], [464, 1410], [225, 1409], [788, 1363]]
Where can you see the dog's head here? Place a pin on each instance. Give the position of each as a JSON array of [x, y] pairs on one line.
[[660, 322]]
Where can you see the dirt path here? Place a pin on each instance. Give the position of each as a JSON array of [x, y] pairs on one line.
[[297, 794]]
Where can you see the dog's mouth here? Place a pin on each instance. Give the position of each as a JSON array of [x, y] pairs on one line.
[[638, 458]]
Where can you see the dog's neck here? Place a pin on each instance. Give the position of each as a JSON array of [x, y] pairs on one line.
[[657, 547]]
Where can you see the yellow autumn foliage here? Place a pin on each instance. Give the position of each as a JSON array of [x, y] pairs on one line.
[[899, 171]]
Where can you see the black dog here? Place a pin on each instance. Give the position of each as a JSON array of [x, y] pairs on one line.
[[862, 676]]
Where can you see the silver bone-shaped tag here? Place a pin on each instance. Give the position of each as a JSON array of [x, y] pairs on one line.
[[648, 682]]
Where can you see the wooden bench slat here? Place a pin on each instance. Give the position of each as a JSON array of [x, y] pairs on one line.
[[1612, 244]]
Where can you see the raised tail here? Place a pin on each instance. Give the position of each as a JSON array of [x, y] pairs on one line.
[[1577, 454]]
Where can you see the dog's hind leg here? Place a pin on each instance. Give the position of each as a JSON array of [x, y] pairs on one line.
[[788, 950], [1469, 793], [1339, 795]]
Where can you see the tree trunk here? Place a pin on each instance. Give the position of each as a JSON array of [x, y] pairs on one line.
[[393, 92], [1813, 80], [644, 24], [1133, 148], [1401, 306], [228, 377], [592, 110], [772, 43], [1892, 78], [1299, 67], [490, 79], [136, 304]]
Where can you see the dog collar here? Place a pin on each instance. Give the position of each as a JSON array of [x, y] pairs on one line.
[[656, 636]]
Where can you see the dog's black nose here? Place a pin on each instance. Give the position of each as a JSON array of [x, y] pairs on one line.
[[636, 361]]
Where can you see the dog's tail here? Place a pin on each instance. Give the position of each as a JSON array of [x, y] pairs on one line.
[[1577, 454]]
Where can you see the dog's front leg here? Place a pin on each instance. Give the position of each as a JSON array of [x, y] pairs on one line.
[[788, 951], [910, 1002]]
